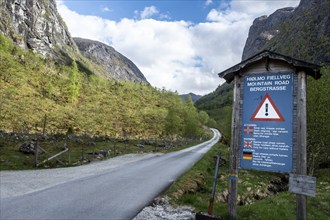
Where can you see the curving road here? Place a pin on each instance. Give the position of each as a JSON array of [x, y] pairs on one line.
[[117, 193]]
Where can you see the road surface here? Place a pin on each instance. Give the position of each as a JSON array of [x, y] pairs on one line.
[[117, 193]]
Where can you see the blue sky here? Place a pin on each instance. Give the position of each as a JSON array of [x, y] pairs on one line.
[[179, 45], [188, 10]]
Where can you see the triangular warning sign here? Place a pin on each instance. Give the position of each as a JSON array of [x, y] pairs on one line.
[[267, 111]]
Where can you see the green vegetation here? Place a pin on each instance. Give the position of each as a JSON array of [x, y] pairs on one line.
[[218, 105], [41, 96], [261, 195], [82, 149], [72, 101], [305, 35]]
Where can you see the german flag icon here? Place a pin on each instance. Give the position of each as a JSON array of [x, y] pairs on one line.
[[247, 155]]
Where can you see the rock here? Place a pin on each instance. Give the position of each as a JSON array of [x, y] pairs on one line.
[[28, 147], [223, 196], [263, 30], [259, 195], [118, 66], [35, 25], [140, 145], [296, 32], [164, 210], [100, 154]]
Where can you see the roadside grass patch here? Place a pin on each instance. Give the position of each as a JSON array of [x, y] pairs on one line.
[[261, 195]]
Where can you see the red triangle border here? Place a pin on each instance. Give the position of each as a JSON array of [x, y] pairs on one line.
[[267, 119]]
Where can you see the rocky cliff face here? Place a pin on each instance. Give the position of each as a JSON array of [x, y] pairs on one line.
[[118, 66], [36, 25], [264, 29], [302, 32]]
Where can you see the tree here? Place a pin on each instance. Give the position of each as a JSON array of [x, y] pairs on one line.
[[75, 80], [318, 121], [173, 123]]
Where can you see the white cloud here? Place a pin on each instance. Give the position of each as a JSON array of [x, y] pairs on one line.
[[105, 9], [177, 55], [208, 2], [148, 12]]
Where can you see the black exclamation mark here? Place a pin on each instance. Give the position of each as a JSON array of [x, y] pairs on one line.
[[266, 113]]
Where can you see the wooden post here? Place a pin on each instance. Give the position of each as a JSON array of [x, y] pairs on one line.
[[69, 156], [234, 150], [301, 200], [44, 126], [36, 151]]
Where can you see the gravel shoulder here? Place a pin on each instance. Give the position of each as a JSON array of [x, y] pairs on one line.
[[16, 183]]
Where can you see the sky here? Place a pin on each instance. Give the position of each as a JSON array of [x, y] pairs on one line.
[[179, 45]]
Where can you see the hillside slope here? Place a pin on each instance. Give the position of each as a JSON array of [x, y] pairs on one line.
[[33, 89], [302, 32], [118, 66]]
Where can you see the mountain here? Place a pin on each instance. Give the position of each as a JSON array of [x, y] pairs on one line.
[[264, 29], [302, 32], [193, 97], [118, 66], [35, 25]]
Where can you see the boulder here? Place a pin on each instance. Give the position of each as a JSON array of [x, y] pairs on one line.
[[28, 147]]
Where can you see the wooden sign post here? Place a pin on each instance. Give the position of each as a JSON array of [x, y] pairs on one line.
[[301, 200], [269, 118]]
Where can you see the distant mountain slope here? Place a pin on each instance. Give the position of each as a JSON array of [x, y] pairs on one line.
[[118, 66], [218, 106], [193, 96], [302, 32]]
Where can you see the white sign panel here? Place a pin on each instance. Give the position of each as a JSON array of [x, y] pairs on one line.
[[300, 184]]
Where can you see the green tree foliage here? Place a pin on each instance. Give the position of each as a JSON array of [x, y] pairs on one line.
[[173, 124], [218, 105], [31, 88], [74, 85], [318, 121], [192, 124]]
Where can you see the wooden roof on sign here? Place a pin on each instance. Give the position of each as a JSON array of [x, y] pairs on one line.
[[309, 68]]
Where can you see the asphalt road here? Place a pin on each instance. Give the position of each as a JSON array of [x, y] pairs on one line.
[[118, 193]]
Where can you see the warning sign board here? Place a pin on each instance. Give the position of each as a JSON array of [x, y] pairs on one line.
[[267, 111], [267, 117]]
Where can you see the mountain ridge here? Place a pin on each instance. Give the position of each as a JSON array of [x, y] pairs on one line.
[[117, 65], [302, 32], [193, 97]]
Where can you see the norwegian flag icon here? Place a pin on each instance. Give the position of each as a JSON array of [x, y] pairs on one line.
[[248, 130], [248, 143]]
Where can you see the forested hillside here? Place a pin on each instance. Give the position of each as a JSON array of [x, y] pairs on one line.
[[218, 105], [35, 90]]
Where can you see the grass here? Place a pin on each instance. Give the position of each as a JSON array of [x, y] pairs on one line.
[[194, 189]]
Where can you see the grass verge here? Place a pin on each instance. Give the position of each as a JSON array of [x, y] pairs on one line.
[[261, 195]]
